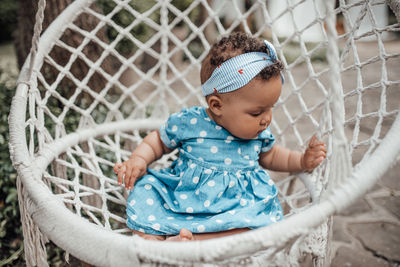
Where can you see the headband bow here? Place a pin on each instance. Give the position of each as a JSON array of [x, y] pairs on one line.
[[238, 71]]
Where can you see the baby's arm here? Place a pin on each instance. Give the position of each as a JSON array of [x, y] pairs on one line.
[[285, 160], [149, 150]]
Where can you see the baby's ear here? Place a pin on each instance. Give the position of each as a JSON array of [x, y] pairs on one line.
[[215, 104]]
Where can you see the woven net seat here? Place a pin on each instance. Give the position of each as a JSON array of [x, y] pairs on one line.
[[105, 73]]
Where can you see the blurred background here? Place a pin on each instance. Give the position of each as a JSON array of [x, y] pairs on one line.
[[353, 245]]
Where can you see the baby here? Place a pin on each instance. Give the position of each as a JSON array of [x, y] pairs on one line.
[[217, 186]]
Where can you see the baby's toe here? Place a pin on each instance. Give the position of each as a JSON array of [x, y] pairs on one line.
[[185, 235]]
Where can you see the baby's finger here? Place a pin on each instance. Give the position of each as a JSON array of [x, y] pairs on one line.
[[317, 153], [322, 147], [316, 159], [134, 176], [131, 177], [116, 167], [312, 141], [315, 142], [313, 159], [317, 148], [128, 175], [121, 173]]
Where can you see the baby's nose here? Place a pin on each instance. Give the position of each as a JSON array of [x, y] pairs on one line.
[[263, 122], [266, 120]]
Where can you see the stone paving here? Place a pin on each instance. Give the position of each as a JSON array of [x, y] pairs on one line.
[[368, 233]]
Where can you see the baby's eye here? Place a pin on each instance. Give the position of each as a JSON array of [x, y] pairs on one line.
[[255, 114]]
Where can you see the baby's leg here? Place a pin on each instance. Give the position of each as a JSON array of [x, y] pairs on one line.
[[186, 235], [149, 237]]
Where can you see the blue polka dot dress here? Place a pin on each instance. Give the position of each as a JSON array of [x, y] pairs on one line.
[[216, 184]]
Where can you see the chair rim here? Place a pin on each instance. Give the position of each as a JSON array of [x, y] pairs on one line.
[[46, 205]]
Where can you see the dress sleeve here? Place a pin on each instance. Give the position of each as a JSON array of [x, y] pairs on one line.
[[268, 140], [171, 131]]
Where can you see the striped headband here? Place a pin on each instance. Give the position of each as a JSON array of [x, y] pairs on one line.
[[238, 71]]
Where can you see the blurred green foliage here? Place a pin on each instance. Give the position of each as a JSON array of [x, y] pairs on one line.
[[143, 31], [124, 18], [10, 226]]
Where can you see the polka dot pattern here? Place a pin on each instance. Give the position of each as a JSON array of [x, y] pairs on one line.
[[156, 226], [211, 183], [189, 210], [214, 185]]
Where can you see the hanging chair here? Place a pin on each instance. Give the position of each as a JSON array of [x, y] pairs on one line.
[[107, 72]]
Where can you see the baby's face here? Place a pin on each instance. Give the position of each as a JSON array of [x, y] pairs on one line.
[[248, 111]]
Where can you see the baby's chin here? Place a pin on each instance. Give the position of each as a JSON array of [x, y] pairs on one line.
[[247, 136]]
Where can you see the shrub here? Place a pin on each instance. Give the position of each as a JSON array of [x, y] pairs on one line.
[[10, 225]]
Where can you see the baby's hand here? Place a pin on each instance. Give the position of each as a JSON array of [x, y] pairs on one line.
[[314, 154], [130, 171]]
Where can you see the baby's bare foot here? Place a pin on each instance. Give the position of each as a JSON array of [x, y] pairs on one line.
[[184, 235]]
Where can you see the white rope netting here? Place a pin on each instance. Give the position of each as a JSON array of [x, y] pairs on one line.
[[93, 89]]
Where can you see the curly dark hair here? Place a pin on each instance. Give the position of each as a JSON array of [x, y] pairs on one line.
[[233, 45]]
